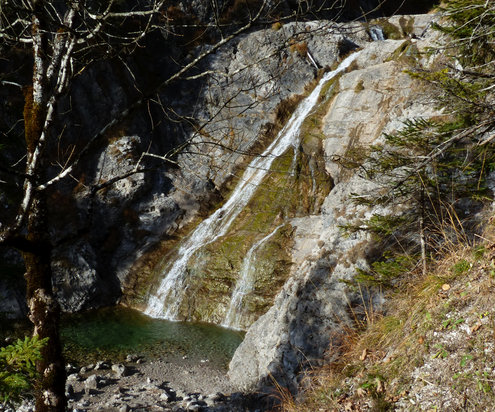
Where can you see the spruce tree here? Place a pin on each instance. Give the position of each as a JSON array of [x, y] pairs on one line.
[[431, 176]]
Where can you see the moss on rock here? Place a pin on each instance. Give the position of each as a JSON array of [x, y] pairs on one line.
[[390, 30], [407, 53], [296, 185]]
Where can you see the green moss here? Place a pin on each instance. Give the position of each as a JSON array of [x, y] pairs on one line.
[[390, 31], [407, 53], [296, 185], [330, 88], [359, 86], [311, 127], [213, 273], [407, 25]]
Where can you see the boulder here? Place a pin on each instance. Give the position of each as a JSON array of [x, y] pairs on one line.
[[91, 384]]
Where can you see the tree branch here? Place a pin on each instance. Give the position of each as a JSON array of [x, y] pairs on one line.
[[123, 114]]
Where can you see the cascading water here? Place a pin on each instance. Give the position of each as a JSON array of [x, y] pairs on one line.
[[244, 285], [376, 33], [165, 303]]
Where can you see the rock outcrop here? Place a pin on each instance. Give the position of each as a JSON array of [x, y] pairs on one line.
[[374, 97]]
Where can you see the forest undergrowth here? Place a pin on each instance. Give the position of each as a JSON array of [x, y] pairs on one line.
[[431, 347]]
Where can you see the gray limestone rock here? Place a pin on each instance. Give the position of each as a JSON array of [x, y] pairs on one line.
[[373, 97], [12, 300], [75, 278], [91, 384], [120, 370], [102, 365]]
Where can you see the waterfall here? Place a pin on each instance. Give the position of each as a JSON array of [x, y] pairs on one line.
[[165, 303], [376, 33], [244, 285]]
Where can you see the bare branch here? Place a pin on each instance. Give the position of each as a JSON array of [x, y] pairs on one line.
[[6, 82], [122, 115]]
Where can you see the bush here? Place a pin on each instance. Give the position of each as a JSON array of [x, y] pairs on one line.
[[18, 367]]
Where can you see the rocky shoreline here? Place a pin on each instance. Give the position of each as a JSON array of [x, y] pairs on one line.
[[140, 384]]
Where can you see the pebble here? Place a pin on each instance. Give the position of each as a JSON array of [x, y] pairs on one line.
[[218, 397], [195, 403], [120, 370], [69, 390], [71, 369], [131, 358], [25, 406], [102, 365], [73, 377], [91, 384], [110, 390]]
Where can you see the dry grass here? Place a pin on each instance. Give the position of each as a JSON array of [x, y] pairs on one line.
[[301, 48], [433, 347]]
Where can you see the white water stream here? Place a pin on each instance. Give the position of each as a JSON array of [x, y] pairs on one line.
[[166, 302], [244, 285]]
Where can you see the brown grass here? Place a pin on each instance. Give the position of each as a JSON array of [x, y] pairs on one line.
[[373, 369], [301, 48]]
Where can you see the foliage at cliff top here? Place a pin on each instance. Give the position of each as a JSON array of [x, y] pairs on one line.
[[433, 175]]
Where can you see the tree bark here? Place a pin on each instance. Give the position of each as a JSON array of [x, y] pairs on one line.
[[44, 311]]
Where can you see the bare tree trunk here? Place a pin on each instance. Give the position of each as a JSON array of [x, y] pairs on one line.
[[44, 312]]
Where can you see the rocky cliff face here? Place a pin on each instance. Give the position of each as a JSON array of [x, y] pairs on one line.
[[131, 230], [373, 97], [299, 292], [122, 231]]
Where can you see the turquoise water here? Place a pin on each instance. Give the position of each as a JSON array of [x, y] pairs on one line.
[[112, 333]]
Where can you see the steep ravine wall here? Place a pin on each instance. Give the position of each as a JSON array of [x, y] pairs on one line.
[[252, 83], [259, 78], [373, 97]]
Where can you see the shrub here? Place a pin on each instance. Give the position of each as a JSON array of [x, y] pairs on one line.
[[18, 367]]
